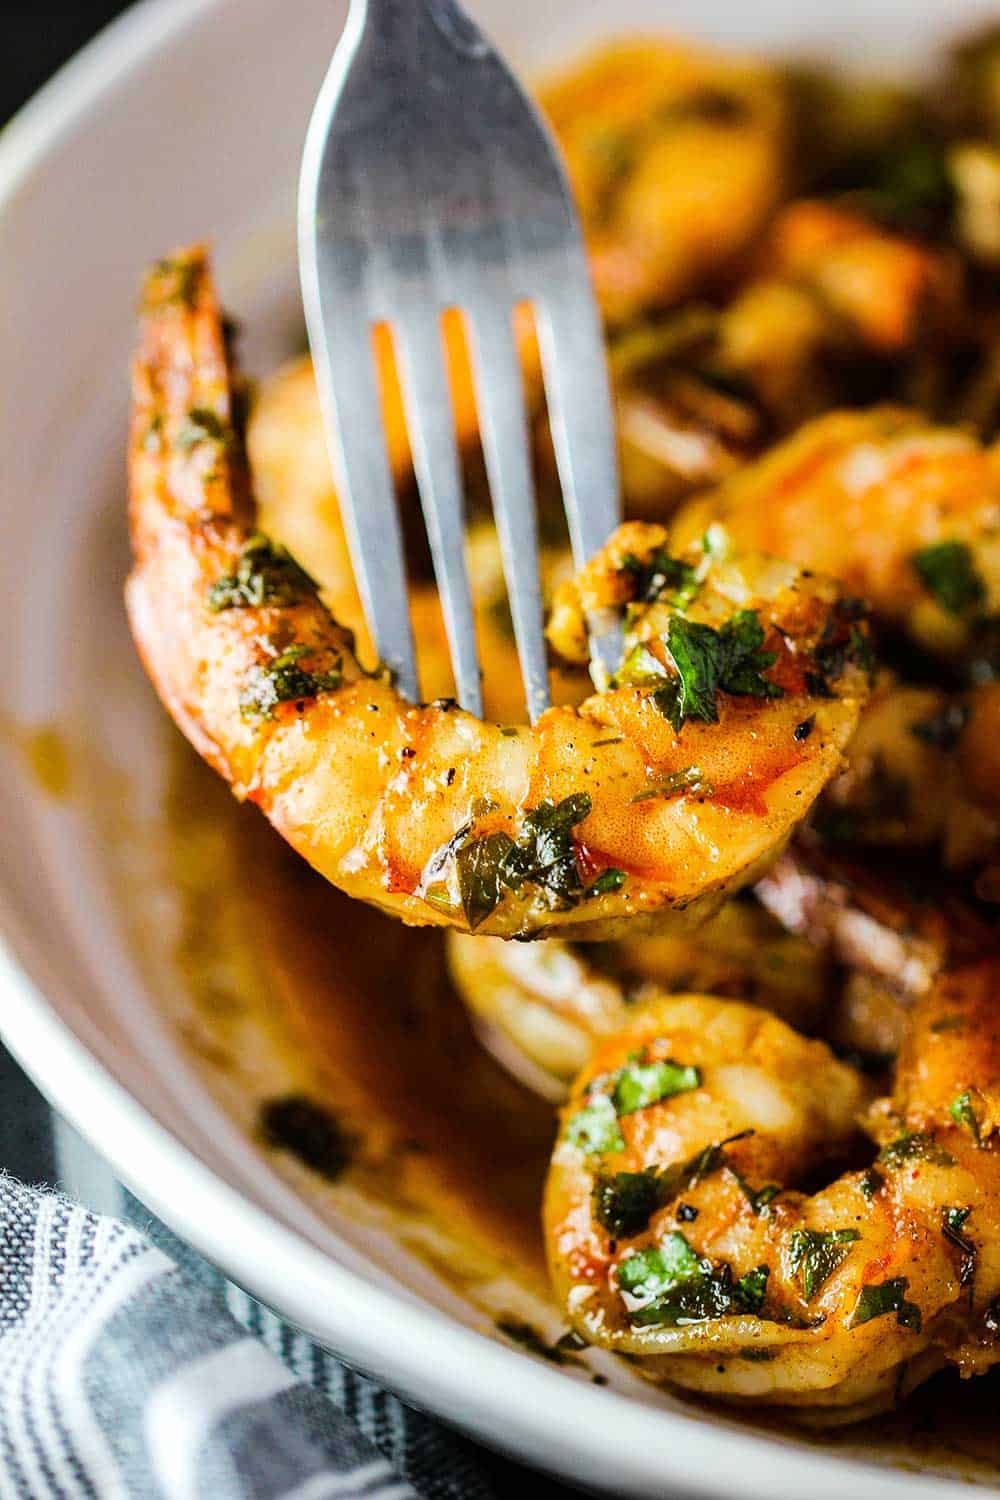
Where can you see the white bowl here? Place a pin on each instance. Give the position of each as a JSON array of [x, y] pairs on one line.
[[185, 120]]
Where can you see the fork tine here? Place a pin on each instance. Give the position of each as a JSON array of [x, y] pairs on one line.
[[500, 399], [427, 400], [352, 410], [574, 365]]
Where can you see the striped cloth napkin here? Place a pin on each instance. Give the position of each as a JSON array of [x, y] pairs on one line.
[[129, 1367]]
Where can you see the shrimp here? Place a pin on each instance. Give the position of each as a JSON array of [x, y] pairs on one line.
[[886, 288], [676, 157], [905, 513], [659, 796], [923, 772], [541, 1009], [679, 1231]]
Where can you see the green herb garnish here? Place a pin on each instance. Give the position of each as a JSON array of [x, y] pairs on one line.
[[748, 1293], [607, 882], [481, 864], [543, 855], [708, 661], [952, 1224], [265, 574], [594, 1128], [843, 643], [680, 1177], [650, 1273], [947, 571], [633, 1197], [871, 1183], [659, 577], [562, 1352], [625, 1202], [687, 780], [759, 1199], [677, 1286], [914, 1146], [202, 426], [816, 1254], [887, 1297], [283, 680], [307, 1130], [962, 1113], [641, 1084]]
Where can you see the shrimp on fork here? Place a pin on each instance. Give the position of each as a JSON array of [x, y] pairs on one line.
[[655, 798]]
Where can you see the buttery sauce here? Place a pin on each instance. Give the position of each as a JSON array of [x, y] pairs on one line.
[[360, 1017]]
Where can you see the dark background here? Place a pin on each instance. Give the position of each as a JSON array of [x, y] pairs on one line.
[[36, 36]]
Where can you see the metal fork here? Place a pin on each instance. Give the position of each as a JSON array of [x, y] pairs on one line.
[[429, 182]]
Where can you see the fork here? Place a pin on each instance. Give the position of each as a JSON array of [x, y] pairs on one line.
[[429, 182]]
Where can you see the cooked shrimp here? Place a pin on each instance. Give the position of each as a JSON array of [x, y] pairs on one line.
[[905, 513], [888, 289], [923, 772], [676, 159], [679, 1233], [542, 1008], [660, 795]]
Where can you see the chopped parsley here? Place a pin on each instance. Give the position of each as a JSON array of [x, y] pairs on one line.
[[673, 1286], [682, 1176], [687, 780], [543, 855], [816, 1254], [203, 425], [759, 1199], [963, 1114], [947, 571], [748, 1293], [952, 1224], [887, 1297], [871, 1183], [625, 1202], [661, 576], [914, 1146], [607, 882], [283, 680], [481, 865], [650, 1273], [641, 1084], [844, 642], [594, 1128], [265, 574], [562, 1352], [707, 661], [307, 1130]]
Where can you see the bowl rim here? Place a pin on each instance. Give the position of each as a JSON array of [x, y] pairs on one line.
[[495, 1392]]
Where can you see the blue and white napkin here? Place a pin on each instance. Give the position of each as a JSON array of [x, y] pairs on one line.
[[129, 1368]]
